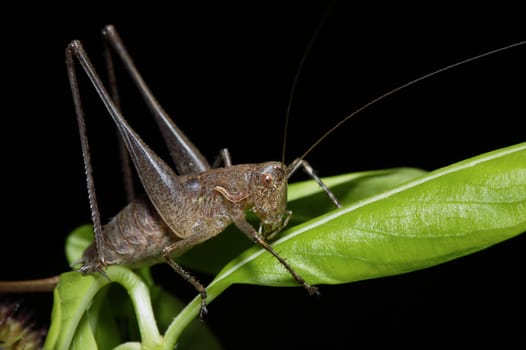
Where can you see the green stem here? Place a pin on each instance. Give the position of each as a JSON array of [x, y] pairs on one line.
[[190, 312], [140, 296], [129, 346]]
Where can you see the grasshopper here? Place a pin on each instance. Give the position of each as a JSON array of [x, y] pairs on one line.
[[179, 210]]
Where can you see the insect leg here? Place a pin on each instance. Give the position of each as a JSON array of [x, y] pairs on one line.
[[187, 158], [126, 168], [245, 227], [223, 158], [182, 245], [95, 214], [308, 169]]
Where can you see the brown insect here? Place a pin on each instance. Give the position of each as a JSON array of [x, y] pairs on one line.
[[180, 210]]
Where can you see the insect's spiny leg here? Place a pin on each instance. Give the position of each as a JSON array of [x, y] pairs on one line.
[[75, 51], [193, 281], [246, 228], [310, 171]]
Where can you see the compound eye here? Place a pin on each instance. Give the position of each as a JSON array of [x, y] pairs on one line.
[[266, 179]]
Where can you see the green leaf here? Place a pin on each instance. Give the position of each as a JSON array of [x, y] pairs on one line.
[[307, 200], [72, 297], [84, 338], [75, 295], [77, 241], [432, 219]]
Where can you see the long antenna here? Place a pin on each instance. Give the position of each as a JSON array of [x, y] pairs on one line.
[[298, 72], [404, 86]]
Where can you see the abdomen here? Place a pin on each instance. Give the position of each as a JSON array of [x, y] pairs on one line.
[[135, 237]]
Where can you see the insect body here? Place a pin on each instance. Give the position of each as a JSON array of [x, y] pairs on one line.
[[178, 211], [215, 198]]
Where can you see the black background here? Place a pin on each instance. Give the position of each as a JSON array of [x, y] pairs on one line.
[[224, 73]]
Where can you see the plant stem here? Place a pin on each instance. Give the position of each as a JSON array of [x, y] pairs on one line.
[[190, 312]]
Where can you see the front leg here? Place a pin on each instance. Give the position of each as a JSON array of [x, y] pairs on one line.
[[308, 169], [242, 224]]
